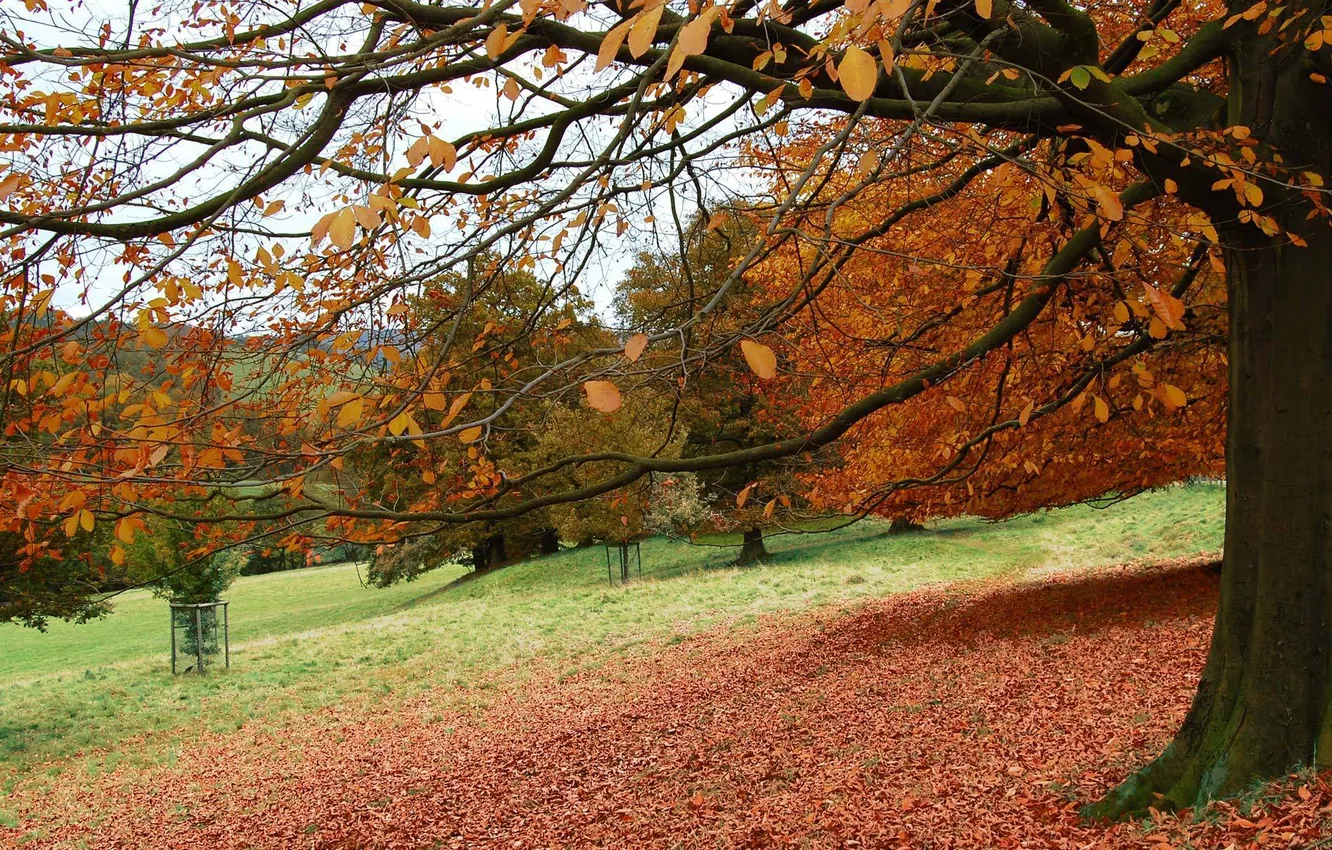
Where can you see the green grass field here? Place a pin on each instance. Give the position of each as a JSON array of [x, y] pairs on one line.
[[85, 697]]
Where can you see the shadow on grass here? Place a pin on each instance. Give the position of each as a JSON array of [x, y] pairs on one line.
[[1082, 602]]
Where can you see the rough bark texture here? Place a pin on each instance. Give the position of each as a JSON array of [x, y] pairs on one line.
[[753, 549], [1264, 703]]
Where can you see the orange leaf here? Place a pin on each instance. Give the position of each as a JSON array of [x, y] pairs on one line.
[[602, 395], [1101, 409], [1109, 203], [470, 435], [743, 495], [1168, 308], [760, 359], [342, 229], [633, 347], [610, 45], [643, 29]]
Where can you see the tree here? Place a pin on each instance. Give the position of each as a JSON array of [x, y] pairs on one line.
[[722, 406], [1142, 123]]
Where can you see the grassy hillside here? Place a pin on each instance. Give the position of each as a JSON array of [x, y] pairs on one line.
[[315, 638]]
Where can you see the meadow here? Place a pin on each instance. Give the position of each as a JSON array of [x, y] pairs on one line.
[[85, 698]]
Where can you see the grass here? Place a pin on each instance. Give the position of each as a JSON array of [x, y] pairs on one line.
[[85, 697]]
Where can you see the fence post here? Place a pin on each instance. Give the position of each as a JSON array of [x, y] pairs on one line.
[[198, 639]]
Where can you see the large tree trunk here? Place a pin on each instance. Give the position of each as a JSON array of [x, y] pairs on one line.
[[1264, 704], [753, 549]]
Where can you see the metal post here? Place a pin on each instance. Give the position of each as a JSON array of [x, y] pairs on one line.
[[624, 561], [198, 639], [173, 639], [227, 633]]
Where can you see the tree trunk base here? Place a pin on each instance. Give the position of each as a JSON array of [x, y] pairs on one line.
[[753, 551], [902, 525]]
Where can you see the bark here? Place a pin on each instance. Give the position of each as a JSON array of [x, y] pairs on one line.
[[902, 525], [753, 549], [549, 543], [1264, 703], [490, 553]]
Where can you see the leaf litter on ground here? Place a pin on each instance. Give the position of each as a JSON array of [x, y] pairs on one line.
[[965, 716]]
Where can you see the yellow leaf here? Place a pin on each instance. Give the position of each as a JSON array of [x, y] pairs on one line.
[[454, 409], [71, 526], [643, 29], [125, 531], [985, 8], [610, 45], [153, 336], [602, 395], [858, 73], [1101, 409], [342, 229], [351, 413], [470, 435], [760, 359], [86, 519], [633, 347], [398, 424], [1172, 395], [956, 403], [117, 555], [433, 400]]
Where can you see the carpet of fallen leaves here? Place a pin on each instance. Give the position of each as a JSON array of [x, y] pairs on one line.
[[965, 717]]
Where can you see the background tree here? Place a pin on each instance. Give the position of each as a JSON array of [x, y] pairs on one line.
[[720, 405]]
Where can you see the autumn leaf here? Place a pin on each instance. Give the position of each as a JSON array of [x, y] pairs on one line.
[[1168, 308], [1108, 202], [349, 415], [760, 358], [470, 435], [342, 229], [985, 8], [1100, 409], [858, 73], [153, 337], [1025, 416], [602, 396], [633, 347], [643, 29], [1173, 397], [610, 45], [743, 495]]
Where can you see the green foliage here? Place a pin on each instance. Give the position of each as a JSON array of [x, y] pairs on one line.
[[64, 585]]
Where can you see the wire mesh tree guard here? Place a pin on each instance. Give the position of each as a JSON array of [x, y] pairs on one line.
[[196, 634], [627, 553]]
